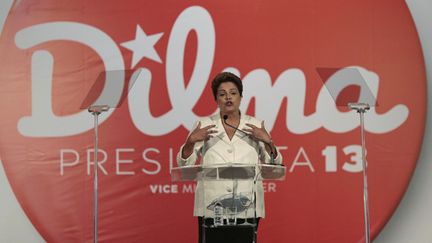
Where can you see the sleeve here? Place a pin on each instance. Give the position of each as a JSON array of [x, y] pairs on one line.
[[266, 157], [191, 160]]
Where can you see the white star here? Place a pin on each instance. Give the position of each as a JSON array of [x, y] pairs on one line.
[[143, 46]]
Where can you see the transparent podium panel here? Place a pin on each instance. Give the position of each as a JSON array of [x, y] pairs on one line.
[[230, 171], [237, 207], [347, 86], [110, 88]]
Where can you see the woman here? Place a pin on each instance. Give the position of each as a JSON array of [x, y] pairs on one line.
[[228, 137]]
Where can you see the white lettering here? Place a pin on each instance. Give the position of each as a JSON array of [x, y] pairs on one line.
[[189, 188], [269, 187], [120, 161], [182, 98], [90, 160], [356, 158], [306, 162], [330, 158], [64, 164], [151, 161], [290, 84], [43, 122], [165, 189]]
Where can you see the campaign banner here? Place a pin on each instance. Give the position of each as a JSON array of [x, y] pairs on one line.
[[54, 51]]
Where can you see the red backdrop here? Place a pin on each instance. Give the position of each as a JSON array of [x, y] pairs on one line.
[[52, 52]]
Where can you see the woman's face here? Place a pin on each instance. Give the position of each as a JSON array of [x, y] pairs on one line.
[[228, 98]]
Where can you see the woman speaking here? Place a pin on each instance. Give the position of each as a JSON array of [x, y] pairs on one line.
[[228, 137]]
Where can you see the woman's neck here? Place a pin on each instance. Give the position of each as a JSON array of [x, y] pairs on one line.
[[230, 121], [232, 116]]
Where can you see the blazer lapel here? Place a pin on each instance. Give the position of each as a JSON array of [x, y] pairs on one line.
[[240, 134]]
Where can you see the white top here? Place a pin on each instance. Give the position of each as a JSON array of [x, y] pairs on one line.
[[219, 150]]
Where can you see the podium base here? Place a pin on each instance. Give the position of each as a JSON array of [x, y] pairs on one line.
[[241, 233]]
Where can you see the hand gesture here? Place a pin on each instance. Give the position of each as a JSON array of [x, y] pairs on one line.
[[261, 134], [258, 133], [201, 134]]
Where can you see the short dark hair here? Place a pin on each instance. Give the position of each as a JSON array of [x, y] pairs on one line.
[[226, 77]]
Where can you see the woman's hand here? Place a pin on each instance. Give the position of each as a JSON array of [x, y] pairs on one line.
[[201, 134], [261, 134], [197, 135], [258, 133]]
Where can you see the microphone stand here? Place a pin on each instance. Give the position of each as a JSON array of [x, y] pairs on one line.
[[96, 110], [361, 108]]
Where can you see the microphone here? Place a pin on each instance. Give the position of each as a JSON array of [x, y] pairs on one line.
[[225, 117]]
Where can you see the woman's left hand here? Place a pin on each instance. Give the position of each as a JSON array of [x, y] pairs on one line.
[[258, 133]]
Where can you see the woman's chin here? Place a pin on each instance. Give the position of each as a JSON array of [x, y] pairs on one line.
[[229, 110]]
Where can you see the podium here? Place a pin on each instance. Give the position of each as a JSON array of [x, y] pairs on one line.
[[234, 207]]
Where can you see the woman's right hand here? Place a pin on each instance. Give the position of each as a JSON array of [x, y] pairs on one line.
[[197, 135], [201, 134]]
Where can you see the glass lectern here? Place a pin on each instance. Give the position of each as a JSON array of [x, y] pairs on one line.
[[231, 209]]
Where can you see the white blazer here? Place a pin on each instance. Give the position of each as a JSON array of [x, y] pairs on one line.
[[220, 149]]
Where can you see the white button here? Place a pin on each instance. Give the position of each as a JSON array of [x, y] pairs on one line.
[[229, 150], [229, 189]]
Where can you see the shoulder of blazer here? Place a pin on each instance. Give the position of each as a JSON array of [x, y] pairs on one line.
[[208, 120], [252, 120]]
